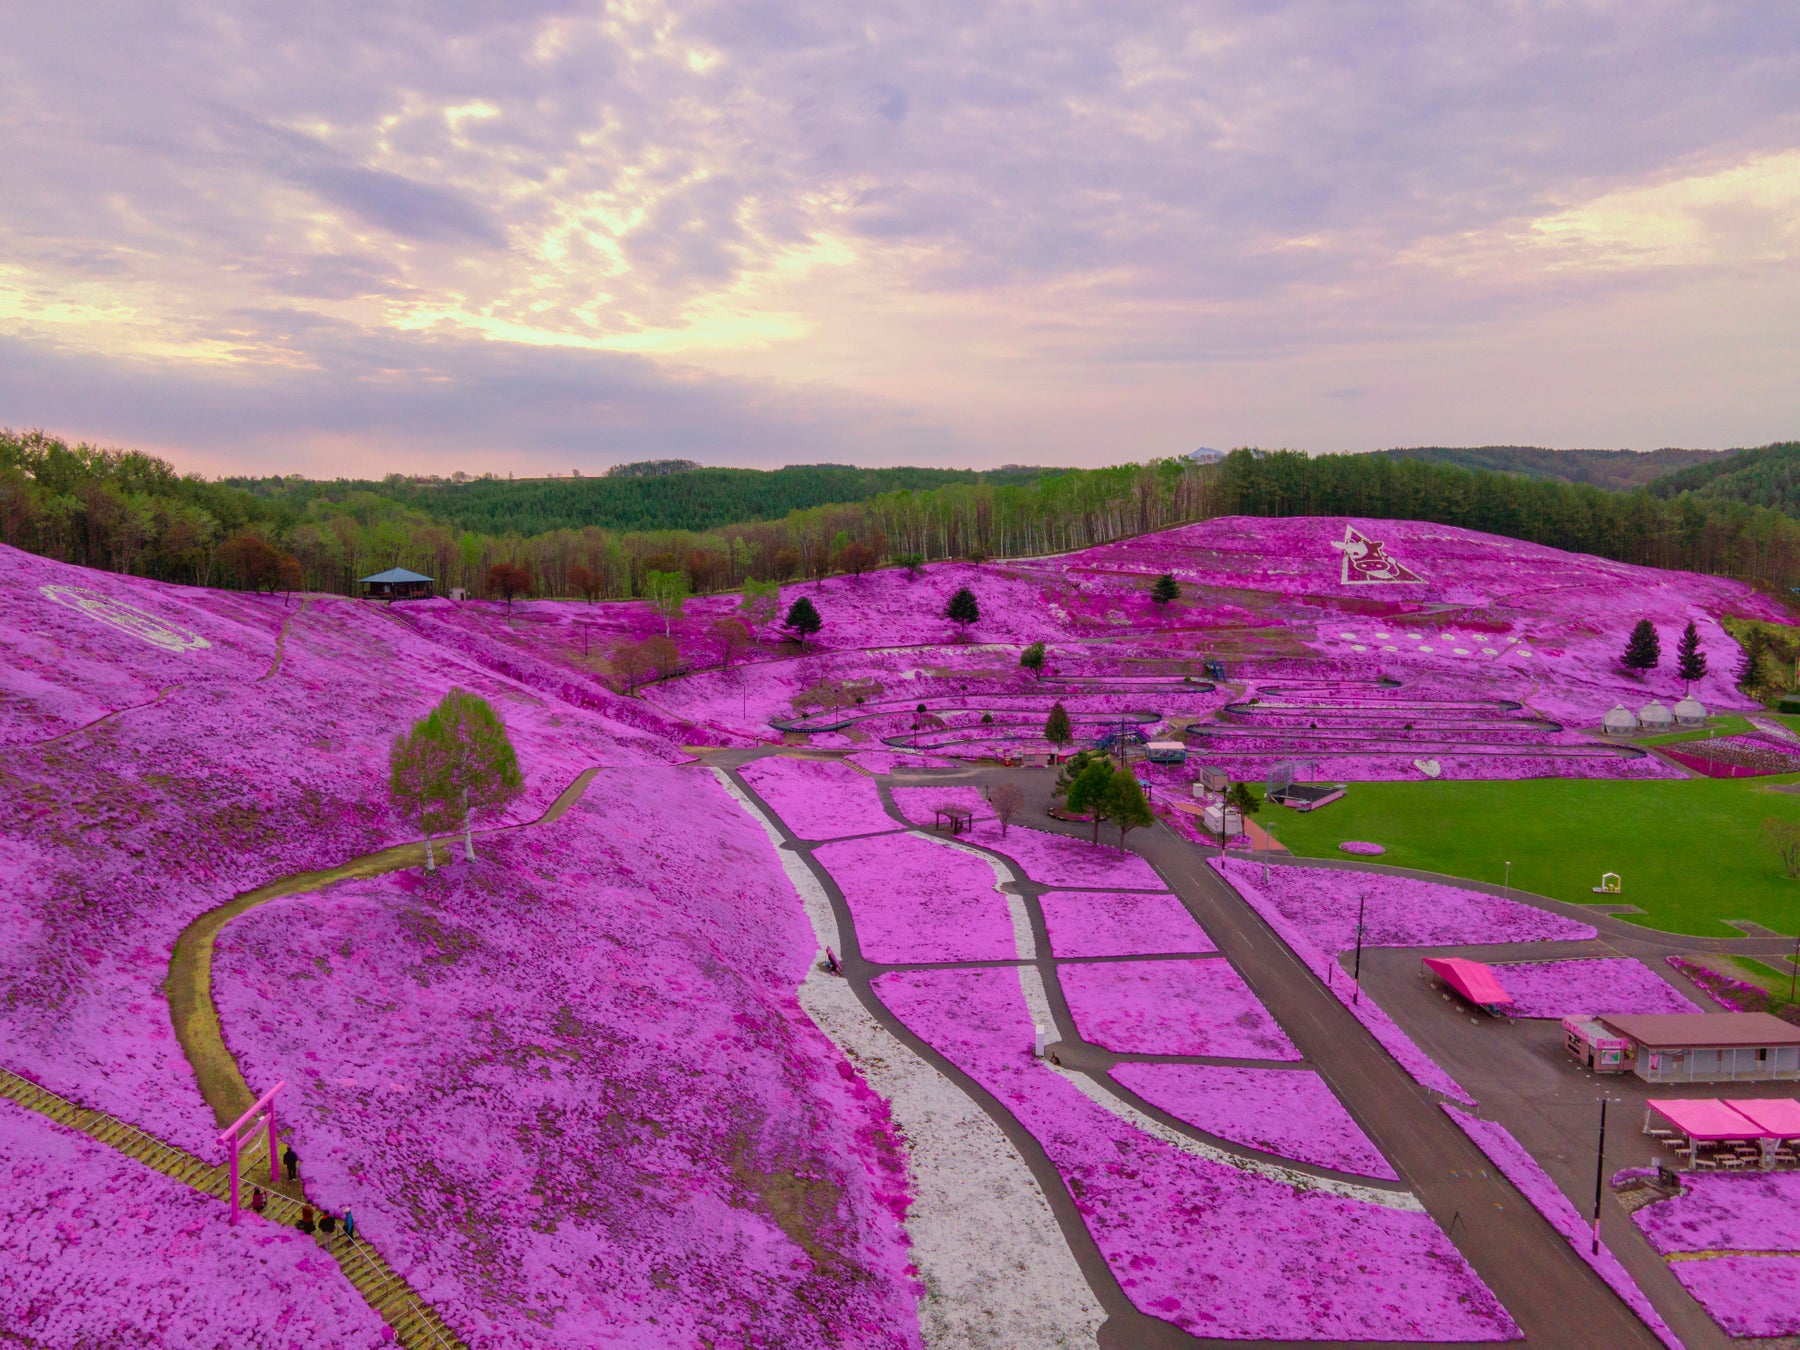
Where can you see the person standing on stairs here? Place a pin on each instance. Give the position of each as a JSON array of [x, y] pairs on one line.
[[350, 1225], [258, 1201], [290, 1160]]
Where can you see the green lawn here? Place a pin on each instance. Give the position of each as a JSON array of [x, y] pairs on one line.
[[1690, 851]]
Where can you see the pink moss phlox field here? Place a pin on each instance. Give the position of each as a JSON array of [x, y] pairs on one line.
[[1554, 622], [915, 900], [568, 1089], [818, 798], [1287, 1112], [1746, 1295], [119, 835], [1615, 985], [1401, 911], [1731, 995], [99, 1250], [896, 761], [1214, 1250], [1520, 1168], [1200, 1007], [920, 804], [1095, 923], [1743, 1211], [1362, 848], [1302, 939], [1074, 864]]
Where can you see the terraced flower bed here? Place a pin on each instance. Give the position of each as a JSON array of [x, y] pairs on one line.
[[917, 900], [1271, 1261], [1171, 1008], [1288, 1113], [1619, 986], [1099, 923], [821, 799]]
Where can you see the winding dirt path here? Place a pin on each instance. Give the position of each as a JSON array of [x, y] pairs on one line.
[[281, 640], [189, 982], [163, 693]]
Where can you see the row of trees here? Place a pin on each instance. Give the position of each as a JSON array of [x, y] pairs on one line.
[[131, 512], [1643, 652]]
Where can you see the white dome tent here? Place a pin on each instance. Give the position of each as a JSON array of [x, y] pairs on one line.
[[1690, 712], [1654, 717], [1618, 722]]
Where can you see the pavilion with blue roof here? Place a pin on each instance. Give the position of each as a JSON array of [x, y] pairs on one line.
[[397, 584]]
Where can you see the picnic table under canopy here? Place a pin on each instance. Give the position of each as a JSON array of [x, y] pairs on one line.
[[1779, 1116], [1757, 1131], [1706, 1120]]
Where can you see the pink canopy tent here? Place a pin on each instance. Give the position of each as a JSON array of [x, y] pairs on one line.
[[1707, 1120], [1778, 1116], [1471, 979]]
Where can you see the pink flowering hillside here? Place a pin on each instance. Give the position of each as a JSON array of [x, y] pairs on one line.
[[1511, 615], [570, 1088], [114, 838], [98, 1250]]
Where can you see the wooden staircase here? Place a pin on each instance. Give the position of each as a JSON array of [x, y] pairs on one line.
[[416, 1326]]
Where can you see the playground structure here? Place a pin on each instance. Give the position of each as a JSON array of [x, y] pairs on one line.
[[1609, 884]]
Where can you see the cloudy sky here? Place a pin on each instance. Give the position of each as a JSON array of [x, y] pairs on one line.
[[441, 234]]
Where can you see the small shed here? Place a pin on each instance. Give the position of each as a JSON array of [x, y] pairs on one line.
[[397, 584], [1654, 717], [1690, 712], [1166, 752], [1212, 780], [1618, 722], [1710, 1047], [1473, 980], [1222, 819], [1597, 1048]]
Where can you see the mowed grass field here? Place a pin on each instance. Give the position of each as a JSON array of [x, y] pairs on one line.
[[1691, 852]]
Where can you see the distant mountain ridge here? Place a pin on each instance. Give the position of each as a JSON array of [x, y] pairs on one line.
[[1767, 476], [1615, 470]]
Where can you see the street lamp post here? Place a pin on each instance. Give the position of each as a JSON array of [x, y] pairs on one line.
[[1362, 902], [1509, 878], [1599, 1175]]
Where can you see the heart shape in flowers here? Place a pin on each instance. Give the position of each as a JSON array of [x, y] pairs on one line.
[[1429, 767]]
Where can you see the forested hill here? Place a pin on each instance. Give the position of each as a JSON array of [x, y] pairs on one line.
[[689, 499], [1769, 476], [1616, 470]]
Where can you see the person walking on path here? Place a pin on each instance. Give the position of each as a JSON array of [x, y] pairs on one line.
[[350, 1225], [306, 1219], [327, 1222], [290, 1160]]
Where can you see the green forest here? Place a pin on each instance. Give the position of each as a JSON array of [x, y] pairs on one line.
[[679, 498], [131, 512], [1620, 470]]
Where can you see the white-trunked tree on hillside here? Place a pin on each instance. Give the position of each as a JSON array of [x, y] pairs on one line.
[[454, 764]]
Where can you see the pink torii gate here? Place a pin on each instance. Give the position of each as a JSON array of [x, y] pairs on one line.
[[242, 1131]]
